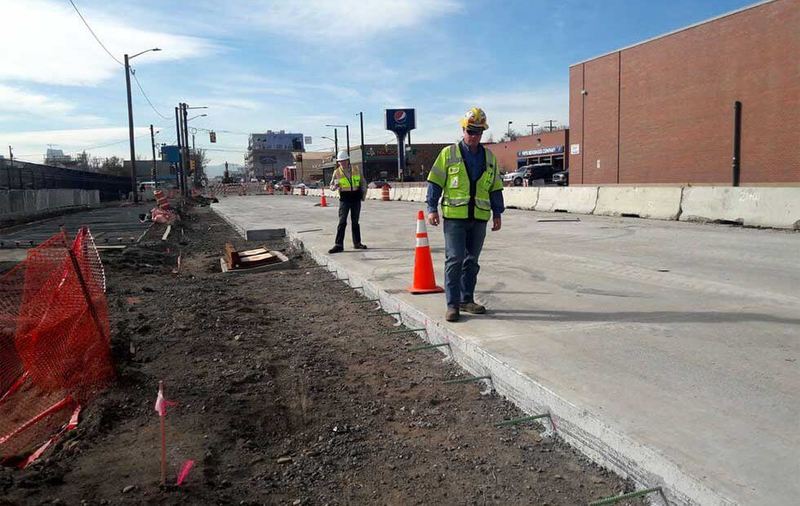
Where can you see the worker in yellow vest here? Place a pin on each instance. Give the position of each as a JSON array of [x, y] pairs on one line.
[[466, 178], [352, 191]]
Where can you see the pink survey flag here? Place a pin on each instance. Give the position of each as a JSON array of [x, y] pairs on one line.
[[161, 403]]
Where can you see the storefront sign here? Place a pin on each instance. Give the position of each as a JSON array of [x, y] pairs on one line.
[[400, 121], [542, 151]]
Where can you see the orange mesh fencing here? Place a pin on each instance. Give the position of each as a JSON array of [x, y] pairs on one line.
[[54, 340]]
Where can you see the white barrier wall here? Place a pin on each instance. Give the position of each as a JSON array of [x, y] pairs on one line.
[[756, 207], [571, 199], [520, 198], [18, 203], [655, 202]]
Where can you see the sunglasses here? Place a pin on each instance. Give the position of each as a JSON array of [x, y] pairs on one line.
[[474, 132]]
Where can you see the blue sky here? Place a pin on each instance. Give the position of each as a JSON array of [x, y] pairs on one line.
[[298, 65]]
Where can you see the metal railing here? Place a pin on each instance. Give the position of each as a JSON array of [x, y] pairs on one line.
[[19, 175]]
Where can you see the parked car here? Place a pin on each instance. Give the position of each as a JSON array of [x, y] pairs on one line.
[[543, 171], [561, 178], [516, 177], [532, 173]]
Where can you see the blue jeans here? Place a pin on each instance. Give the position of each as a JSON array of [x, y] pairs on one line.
[[463, 241]]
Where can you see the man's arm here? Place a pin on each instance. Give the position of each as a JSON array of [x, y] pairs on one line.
[[432, 199]]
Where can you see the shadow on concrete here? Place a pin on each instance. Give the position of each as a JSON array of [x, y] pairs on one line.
[[639, 317]]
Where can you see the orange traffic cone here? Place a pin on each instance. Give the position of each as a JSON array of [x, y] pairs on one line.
[[424, 279], [323, 202]]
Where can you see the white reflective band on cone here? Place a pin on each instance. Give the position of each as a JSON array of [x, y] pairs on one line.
[[422, 242]]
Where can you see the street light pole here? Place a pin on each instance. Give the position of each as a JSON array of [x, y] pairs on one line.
[[347, 129], [155, 169], [135, 194], [179, 166]]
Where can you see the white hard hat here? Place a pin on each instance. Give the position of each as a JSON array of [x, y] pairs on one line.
[[342, 155]]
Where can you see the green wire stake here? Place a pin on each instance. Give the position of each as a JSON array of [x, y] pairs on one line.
[[384, 314], [407, 330], [517, 421], [428, 346], [366, 301], [467, 380], [612, 500]]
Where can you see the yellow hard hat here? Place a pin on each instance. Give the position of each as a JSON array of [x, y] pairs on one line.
[[475, 118]]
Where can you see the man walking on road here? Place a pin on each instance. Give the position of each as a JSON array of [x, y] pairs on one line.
[[352, 191], [466, 178]]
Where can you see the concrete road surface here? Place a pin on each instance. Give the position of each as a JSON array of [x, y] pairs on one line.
[[670, 351]]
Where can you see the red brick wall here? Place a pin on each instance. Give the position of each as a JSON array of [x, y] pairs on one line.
[[674, 123], [506, 152]]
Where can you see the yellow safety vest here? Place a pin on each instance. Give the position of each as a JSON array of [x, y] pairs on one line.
[[347, 184], [450, 172]]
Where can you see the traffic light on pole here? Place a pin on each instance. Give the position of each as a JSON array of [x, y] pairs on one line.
[[212, 136]]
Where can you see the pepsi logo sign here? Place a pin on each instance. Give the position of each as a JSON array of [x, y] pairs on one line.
[[400, 116]]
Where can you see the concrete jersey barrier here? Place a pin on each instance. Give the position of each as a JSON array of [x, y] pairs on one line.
[[755, 207], [661, 203], [571, 199], [520, 198]]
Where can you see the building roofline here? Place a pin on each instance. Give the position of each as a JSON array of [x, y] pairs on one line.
[[673, 32]]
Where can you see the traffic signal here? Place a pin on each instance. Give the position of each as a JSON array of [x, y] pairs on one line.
[[191, 166], [212, 136]]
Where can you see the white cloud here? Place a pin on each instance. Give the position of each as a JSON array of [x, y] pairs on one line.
[[17, 100], [341, 21], [51, 45]]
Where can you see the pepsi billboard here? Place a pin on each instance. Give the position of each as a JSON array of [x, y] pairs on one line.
[[400, 121]]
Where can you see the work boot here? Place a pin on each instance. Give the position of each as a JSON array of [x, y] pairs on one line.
[[336, 249], [452, 314], [360, 246], [471, 307]]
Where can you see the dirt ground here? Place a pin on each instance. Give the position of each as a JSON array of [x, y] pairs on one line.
[[288, 393]]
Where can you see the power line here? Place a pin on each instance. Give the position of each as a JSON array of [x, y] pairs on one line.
[[95, 35], [133, 73]]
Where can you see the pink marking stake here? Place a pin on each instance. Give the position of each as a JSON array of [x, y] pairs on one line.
[[161, 409]]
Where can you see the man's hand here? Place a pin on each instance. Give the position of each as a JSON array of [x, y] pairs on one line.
[[497, 222], [433, 219]]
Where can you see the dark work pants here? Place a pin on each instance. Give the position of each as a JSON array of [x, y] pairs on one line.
[[354, 208]]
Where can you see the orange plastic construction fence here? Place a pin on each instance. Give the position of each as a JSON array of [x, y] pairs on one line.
[[54, 340]]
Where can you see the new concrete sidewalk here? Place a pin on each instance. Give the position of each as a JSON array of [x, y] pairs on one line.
[[667, 351]]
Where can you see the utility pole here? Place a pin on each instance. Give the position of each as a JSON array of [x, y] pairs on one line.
[[336, 141], [134, 194], [185, 118], [363, 149], [11, 155], [551, 121], [347, 131], [179, 167], [532, 125], [155, 168]]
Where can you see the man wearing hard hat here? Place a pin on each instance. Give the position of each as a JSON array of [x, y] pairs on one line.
[[352, 191], [465, 177]]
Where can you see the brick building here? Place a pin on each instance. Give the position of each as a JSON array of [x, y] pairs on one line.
[[661, 111], [543, 147]]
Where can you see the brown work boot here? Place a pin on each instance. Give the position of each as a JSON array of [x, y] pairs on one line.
[[452, 314], [471, 307]]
